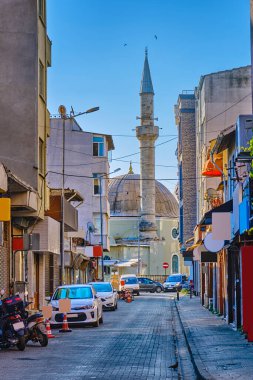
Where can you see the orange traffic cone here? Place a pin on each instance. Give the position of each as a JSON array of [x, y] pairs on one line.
[[48, 330], [65, 326]]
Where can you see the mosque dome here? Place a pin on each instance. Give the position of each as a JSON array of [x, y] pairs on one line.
[[124, 197]]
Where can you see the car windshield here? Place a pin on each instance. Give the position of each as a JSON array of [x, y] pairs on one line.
[[103, 287], [130, 280], [174, 279], [75, 293]]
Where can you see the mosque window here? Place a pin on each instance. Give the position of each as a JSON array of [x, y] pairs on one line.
[[98, 146], [175, 264]]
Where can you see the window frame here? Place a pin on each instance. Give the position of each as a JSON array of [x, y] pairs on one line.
[[98, 144], [42, 80]]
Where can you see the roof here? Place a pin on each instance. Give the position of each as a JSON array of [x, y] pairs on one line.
[[70, 194], [124, 198], [146, 82]]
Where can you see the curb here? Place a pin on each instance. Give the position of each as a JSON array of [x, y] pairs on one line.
[[201, 371]]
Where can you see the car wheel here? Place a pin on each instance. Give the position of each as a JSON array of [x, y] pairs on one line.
[[101, 320], [116, 306], [158, 289]]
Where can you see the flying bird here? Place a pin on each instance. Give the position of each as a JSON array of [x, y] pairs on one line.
[[174, 366], [125, 44], [155, 36]]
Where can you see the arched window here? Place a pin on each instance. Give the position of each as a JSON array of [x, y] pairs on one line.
[[174, 264]]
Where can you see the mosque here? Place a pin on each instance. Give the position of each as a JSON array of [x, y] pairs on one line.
[[143, 212]]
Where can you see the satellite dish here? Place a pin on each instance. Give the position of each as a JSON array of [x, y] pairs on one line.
[[211, 244], [91, 228]]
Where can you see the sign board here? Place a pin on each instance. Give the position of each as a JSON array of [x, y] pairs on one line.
[[211, 244], [47, 311], [64, 305], [165, 265]]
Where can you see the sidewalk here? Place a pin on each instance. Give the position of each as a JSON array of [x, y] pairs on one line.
[[217, 351]]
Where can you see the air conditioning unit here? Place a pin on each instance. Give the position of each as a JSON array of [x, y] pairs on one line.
[[243, 134]]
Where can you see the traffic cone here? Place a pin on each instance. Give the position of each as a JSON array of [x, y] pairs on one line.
[[48, 330], [65, 327]]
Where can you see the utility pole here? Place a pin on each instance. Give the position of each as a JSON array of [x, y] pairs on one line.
[[62, 112]]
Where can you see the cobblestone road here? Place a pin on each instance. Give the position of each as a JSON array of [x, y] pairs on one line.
[[136, 342]]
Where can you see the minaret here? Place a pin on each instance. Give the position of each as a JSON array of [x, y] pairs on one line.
[[147, 134]]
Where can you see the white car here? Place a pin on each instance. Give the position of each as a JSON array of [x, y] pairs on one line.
[[86, 306], [130, 281], [108, 296]]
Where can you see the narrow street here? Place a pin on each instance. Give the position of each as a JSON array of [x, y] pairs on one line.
[[135, 342]]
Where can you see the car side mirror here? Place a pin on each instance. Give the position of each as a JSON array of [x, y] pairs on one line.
[[95, 296], [115, 291], [48, 299]]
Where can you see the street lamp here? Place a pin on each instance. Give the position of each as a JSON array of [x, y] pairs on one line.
[[63, 113], [101, 218]]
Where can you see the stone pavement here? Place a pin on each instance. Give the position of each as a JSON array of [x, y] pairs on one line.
[[218, 352], [135, 342]]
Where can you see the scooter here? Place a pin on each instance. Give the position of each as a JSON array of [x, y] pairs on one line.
[[35, 327], [12, 327]]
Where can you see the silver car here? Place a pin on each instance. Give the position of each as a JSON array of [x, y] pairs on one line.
[[108, 296], [86, 306]]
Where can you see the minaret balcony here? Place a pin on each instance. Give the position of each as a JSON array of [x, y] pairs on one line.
[[148, 132]]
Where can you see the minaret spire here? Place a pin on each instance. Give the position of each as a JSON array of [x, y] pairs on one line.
[[147, 134]]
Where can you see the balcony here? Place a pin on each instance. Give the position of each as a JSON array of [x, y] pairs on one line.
[[49, 231], [24, 201], [70, 213]]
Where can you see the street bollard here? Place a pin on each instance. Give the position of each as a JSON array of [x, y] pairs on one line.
[[177, 295], [190, 291]]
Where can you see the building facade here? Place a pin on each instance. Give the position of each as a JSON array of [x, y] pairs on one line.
[[24, 131], [87, 162]]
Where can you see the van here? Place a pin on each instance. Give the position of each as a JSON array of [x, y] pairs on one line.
[[129, 281], [174, 282]]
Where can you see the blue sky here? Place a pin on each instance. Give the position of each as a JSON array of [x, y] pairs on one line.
[[91, 67]]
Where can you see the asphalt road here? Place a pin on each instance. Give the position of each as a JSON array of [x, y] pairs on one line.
[[135, 342]]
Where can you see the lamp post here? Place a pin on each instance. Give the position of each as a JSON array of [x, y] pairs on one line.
[[101, 218], [63, 113], [139, 253]]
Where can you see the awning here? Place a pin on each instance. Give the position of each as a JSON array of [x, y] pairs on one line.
[[79, 261], [109, 263], [225, 207], [191, 248], [224, 141], [211, 170]]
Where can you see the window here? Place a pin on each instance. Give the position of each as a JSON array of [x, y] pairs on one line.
[[98, 146], [96, 184], [42, 9], [97, 223], [175, 264], [41, 79], [41, 156], [74, 293]]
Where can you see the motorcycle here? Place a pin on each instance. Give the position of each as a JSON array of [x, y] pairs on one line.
[[12, 327], [35, 327]]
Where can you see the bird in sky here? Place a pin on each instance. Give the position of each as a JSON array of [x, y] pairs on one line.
[[155, 36], [125, 44], [174, 366]]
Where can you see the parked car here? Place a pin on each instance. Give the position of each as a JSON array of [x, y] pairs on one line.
[[130, 282], [174, 282], [86, 306], [148, 285], [108, 296]]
